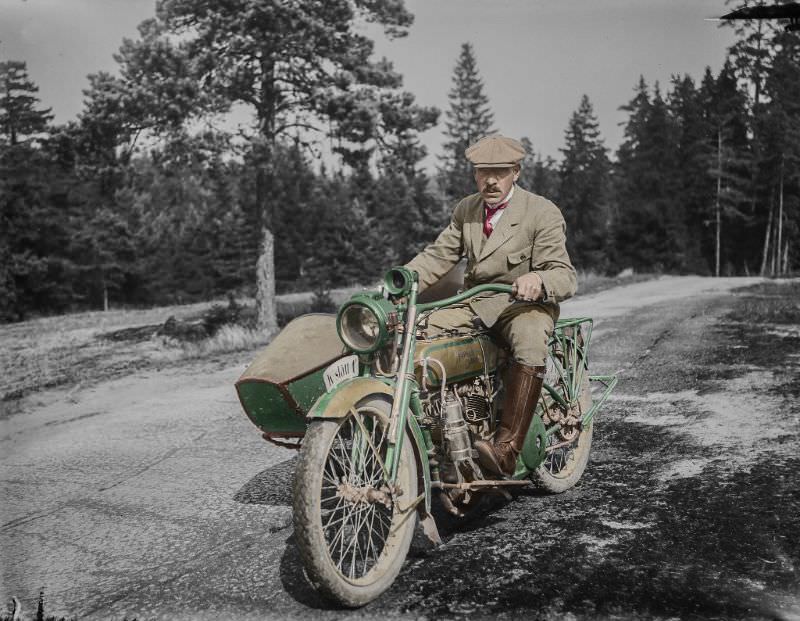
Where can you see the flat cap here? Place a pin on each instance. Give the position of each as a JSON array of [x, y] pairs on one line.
[[495, 152]]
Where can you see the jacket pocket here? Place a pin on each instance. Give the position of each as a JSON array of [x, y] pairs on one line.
[[515, 258]]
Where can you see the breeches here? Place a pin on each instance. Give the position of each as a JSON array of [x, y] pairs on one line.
[[526, 328]]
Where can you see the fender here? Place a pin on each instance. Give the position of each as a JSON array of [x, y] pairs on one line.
[[337, 403]]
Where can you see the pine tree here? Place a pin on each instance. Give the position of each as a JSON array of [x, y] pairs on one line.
[[585, 185], [468, 119], [297, 66]]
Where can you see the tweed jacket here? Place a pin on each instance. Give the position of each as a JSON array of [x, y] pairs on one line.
[[530, 237]]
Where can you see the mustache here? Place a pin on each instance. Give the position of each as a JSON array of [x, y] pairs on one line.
[[491, 188]]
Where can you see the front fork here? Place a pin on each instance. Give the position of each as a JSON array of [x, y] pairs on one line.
[[402, 387]]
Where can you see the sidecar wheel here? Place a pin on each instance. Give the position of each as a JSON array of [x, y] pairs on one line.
[[563, 467], [353, 535]]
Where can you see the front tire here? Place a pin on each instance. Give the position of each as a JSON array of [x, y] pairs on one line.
[[353, 532]]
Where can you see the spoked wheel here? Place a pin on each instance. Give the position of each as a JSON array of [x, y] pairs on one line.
[[563, 467], [353, 528], [567, 453]]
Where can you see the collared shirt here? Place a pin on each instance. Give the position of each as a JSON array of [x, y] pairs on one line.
[[499, 213]]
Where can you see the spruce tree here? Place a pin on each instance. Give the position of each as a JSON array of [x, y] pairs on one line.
[[34, 230], [585, 186], [689, 109], [648, 227], [752, 57], [538, 175], [729, 164], [408, 215], [19, 116], [468, 119], [780, 131]]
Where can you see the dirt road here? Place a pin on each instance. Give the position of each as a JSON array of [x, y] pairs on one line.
[[153, 496]]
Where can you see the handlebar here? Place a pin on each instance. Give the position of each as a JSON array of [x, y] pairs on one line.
[[421, 308]]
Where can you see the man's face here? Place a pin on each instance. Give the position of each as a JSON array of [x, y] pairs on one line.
[[495, 183]]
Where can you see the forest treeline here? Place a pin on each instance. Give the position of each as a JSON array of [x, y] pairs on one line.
[[151, 197]]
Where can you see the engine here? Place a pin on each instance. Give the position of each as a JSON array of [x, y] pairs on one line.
[[465, 415]]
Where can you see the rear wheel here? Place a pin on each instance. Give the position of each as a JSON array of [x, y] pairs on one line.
[[353, 529], [568, 448]]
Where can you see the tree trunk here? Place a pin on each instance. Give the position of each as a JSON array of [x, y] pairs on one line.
[[772, 261], [779, 244], [717, 210], [765, 254], [266, 307], [785, 269]]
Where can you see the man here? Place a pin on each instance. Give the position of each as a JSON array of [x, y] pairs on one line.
[[510, 236]]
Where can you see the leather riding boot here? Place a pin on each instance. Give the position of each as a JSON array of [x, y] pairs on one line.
[[523, 387]]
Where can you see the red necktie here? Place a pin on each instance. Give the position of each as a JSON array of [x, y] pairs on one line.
[[489, 211]]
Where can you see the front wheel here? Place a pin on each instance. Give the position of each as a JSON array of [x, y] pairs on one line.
[[353, 528]]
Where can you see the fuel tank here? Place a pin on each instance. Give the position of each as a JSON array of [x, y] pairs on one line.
[[463, 357]]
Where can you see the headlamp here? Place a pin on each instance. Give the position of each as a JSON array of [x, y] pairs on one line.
[[365, 322], [398, 280]]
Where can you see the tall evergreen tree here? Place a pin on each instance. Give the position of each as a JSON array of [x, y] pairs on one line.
[[292, 64], [19, 116], [649, 229], [468, 119], [689, 109], [751, 53], [34, 269], [780, 131], [752, 56], [729, 166], [539, 174], [408, 215], [585, 188], [346, 247]]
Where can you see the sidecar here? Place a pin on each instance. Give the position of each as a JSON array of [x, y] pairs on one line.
[[286, 377]]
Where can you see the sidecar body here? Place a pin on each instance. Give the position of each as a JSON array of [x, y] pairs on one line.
[[286, 377]]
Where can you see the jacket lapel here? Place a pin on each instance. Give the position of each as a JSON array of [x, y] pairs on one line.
[[474, 224], [506, 227]]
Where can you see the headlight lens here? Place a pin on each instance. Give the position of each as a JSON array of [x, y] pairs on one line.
[[359, 328]]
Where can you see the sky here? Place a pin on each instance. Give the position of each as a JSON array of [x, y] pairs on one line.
[[536, 57]]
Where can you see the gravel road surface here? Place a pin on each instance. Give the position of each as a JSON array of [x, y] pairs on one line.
[[152, 496]]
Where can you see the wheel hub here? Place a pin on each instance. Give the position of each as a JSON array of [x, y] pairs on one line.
[[365, 495]]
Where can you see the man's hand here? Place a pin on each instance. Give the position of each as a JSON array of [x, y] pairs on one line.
[[528, 287]]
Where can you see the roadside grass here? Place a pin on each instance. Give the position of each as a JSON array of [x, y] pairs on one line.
[[70, 349], [229, 338], [775, 301], [82, 349]]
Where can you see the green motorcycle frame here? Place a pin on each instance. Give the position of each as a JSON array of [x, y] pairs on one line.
[[388, 428]]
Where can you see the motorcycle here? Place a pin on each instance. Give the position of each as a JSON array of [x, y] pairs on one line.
[[385, 420]]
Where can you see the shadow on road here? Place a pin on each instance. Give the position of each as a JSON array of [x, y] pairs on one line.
[[272, 486], [295, 583]]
